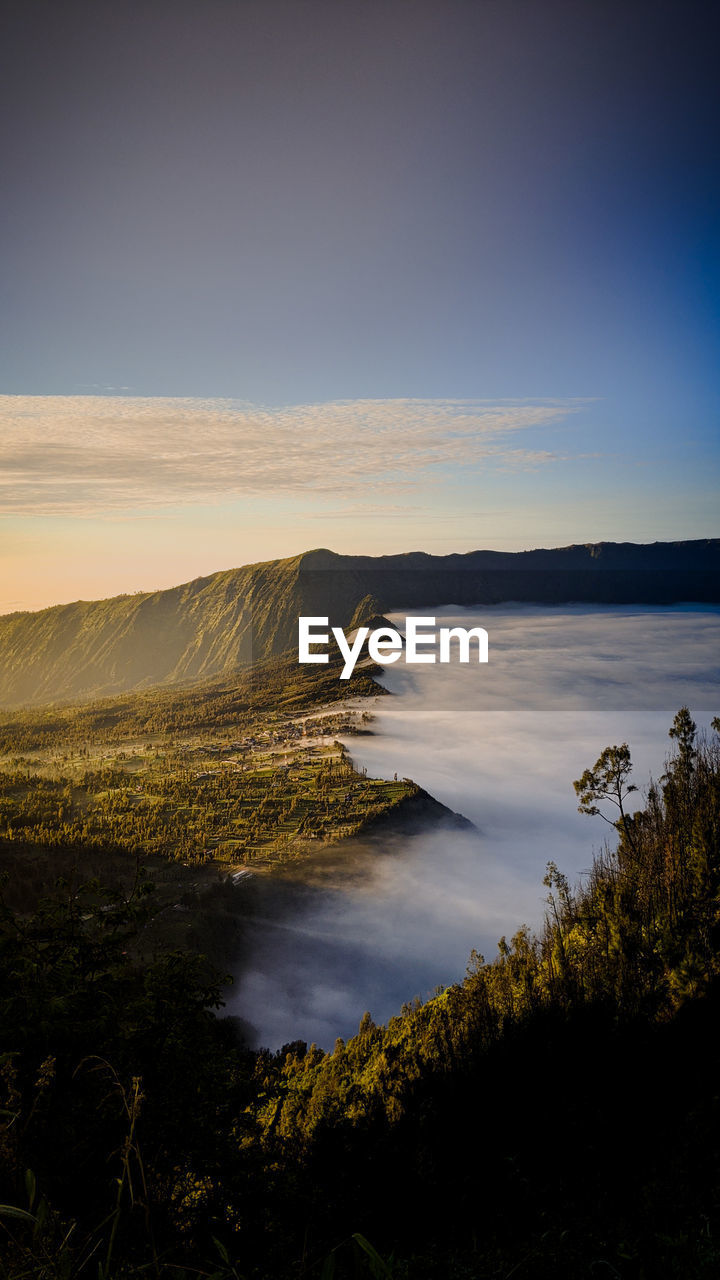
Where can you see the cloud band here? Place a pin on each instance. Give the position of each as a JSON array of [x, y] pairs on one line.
[[75, 455]]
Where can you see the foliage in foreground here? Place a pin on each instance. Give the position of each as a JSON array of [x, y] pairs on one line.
[[556, 1114]]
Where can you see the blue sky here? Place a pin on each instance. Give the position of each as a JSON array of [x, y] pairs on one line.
[[277, 211]]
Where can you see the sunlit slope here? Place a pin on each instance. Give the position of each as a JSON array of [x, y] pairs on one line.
[[128, 642], [216, 624]]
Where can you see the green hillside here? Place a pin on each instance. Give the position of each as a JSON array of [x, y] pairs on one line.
[[233, 773], [94, 648], [231, 619]]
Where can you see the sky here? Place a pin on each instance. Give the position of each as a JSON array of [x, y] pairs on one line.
[[379, 276]]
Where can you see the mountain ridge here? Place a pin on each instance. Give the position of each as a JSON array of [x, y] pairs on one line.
[[212, 625]]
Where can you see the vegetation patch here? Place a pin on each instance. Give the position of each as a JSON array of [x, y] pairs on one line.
[[240, 773], [554, 1114]]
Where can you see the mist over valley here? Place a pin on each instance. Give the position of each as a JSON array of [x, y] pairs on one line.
[[392, 918]]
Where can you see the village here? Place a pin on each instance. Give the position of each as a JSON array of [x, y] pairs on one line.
[[280, 789]]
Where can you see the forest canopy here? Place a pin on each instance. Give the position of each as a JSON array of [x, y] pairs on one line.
[[555, 1111]]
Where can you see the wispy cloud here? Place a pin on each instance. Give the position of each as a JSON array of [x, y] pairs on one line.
[[88, 454]]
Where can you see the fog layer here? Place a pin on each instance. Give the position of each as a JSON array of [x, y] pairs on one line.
[[500, 743]]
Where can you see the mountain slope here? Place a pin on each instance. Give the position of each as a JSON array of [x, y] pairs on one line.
[[229, 619]]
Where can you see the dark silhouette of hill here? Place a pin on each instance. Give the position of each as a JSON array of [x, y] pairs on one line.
[[230, 619]]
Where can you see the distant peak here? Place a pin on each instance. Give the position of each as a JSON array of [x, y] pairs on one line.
[[320, 558]]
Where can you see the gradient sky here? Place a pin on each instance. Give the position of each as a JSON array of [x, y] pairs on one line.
[[373, 276]]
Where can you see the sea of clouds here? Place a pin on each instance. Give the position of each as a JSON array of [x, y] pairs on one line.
[[500, 744]]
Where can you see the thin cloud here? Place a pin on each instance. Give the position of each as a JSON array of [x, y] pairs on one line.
[[87, 454]]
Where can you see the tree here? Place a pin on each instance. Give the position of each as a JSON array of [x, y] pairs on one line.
[[607, 780], [683, 731]]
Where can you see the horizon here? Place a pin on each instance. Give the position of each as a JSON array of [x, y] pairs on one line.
[[107, 495], [415, 551]]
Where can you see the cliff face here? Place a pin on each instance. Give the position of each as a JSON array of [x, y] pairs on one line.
[[215, 624]]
